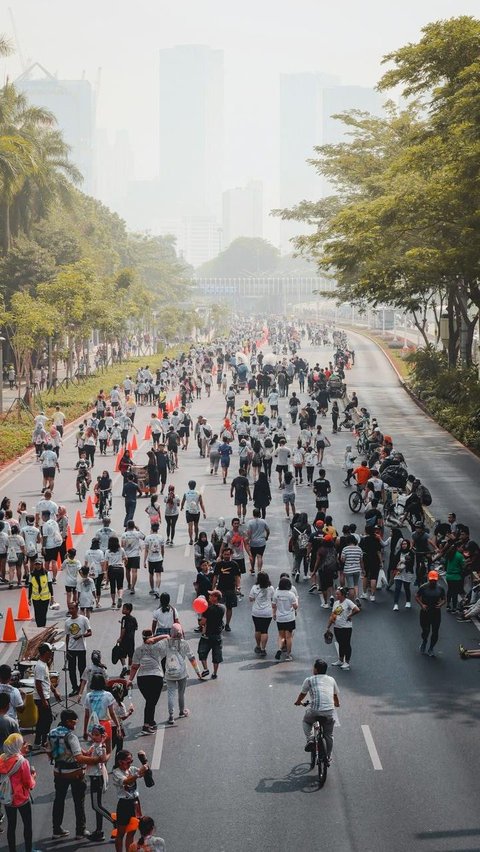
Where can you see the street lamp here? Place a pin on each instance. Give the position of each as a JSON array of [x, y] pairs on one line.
[[2, 341]]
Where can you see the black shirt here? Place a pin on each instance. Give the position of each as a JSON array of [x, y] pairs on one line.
[[203, 583], [321, 488], [240, 486], [226, 573], [431, 595], [371, 548], [130, 491], [214, 619]]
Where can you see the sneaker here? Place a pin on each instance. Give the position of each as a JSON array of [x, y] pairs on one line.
[[278, 655], [214, 676], [337, 663], [184, 714], [59, 833], [297, 577], [113, 606], [151, 592], [310, 746], [363, 596], [168, 541], [325, 606], [372, 598], [82, 834], [170, 720], [312, 589], [124, 671], [463, 652], [240, 595], [146, 729], [288, 658], [55, 606], [205, 673], [228, 629], [97, 835], [197, 629], [132, 591], [331, 600], [423, 647], [73, 693], [119, 603], [345, 667], [431, 652], [395, 607], [38, 749], [408, 605], [263, 653], [257, 650]]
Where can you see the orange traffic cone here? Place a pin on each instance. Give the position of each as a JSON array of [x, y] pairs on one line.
[[117, 462], [9, 634], [69, 540], [23, 613], [177, 400], [78, 527], [89, 511], [129, 447], [148, 432], [134, 443], [59, 561], [160, 414]]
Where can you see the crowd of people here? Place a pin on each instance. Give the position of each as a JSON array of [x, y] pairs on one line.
[[264, 451]]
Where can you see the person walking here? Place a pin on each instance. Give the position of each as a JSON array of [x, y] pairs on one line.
[[77, 630], [284, 608], [454, 565], [261, 597], [193, 502], [40, 591], [404, 570], [211, 626], [41, 696], [175, 651], [16, 767], [69, 774], [262, 495], [430, 597], [172, 511], [341, 618], [130, 492], [114, 566], [258, 533], [299, 544], [147, 663], [153, 558]]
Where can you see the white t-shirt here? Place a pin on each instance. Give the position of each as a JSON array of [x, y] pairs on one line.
[[48, 459], [320, 689], [98, 701], [261, 601], [94, 559], [153, 547], [192, 502], [16, 699], [30, 535], [75, 629], [115, 559], [284, 600], [41, 672], [282, 455], [46, 506], [342, 609], [131, 542], [71, 568]]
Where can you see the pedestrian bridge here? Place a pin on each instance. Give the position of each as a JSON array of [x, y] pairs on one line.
[[276, 292]]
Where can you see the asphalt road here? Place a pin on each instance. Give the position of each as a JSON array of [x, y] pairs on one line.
[[234, 776]]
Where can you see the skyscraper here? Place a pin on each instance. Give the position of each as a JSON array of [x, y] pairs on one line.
[[73, 105], [243, 212], [191, 130]]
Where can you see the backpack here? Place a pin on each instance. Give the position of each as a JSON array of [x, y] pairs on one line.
[[6, 790], [175, 668], [302, 541], [330, 560], [424, 495], [207, 432], [58, 746]]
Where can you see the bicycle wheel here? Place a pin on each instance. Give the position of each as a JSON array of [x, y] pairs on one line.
[[313, 758], [355, 501], [322, 763]]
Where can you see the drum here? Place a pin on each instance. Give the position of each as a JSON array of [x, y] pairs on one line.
[[54, 679], [27, 719], [28, 682]]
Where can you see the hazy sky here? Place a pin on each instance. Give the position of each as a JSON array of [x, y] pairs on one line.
[[260, 38]]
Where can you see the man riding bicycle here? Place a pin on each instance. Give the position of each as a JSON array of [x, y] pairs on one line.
[[83, 472], [324, 697]]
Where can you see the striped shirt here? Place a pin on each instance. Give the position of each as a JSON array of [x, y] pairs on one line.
[[320, 689], [351, 556]]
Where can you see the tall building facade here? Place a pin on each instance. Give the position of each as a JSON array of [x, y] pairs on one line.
[[242, 212], [73, 104], [191, 130]]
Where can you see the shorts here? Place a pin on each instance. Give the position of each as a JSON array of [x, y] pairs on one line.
[[258, 551], [352, 579], [192, 517], [240, 502], [288, 499], [225, 463], [51, 553], [230, 599], [261, 624], [321, 504], [133, 562], [281, 468], [155, 567], [48, 472], [241, 565], [213, 644], [326, 580], [125, 811], [372, 571], [288, 626], [274, 408], [70, 588], [116, 577]]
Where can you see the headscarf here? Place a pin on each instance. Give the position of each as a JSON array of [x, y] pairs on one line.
[[12, 745]]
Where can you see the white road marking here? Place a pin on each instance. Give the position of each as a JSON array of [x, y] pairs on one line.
[[372, 750], [158, 748], [180, 593]]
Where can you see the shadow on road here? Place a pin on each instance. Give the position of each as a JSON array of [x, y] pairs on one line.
[[298, 780]]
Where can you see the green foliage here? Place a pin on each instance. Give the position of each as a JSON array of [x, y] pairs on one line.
[[244, 257]]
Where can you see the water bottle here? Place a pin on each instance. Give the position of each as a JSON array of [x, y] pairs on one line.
[[148, 777]]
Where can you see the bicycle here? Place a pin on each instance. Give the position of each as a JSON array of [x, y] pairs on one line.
[[319, 755], [362, 443], [81, 488], [356, 499]]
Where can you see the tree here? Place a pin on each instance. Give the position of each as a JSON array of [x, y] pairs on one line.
[[245, 257], [27, 322]]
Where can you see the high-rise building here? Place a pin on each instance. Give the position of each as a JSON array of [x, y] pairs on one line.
[[114, 169], [191, 130], [243, 212], [73, 104], [307, 104]]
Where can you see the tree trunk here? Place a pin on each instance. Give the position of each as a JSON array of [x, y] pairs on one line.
[[452, 332]]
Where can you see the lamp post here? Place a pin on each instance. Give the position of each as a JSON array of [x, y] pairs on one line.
[[2, 341]]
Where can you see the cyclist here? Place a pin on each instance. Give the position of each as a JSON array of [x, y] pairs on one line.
[[324, 697], [83, 472], [172, 446], [362, 475], [103, 491]]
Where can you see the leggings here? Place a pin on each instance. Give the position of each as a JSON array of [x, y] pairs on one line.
[[343, 635], [454, 589], [171, 521], [151, 687], [116, 578], [25, 812], [96, 791], [310, 471]]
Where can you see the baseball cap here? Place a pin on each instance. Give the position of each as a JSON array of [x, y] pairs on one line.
[[433, 575], [319, 523], [328, 537]]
